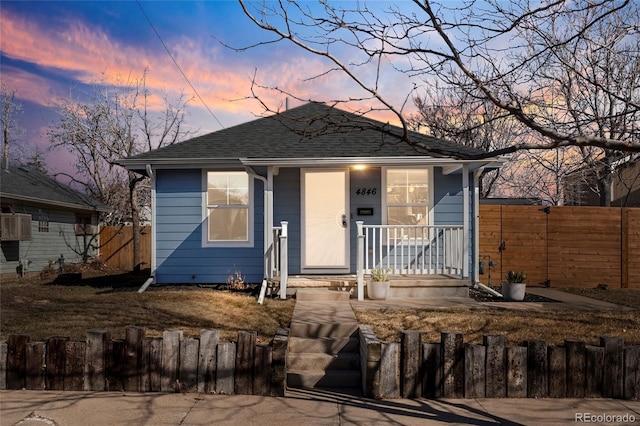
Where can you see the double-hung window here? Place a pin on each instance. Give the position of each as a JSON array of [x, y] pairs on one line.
[[228, 209], [407, 198]]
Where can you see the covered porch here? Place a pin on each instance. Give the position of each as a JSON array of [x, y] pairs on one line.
[[423, 261]]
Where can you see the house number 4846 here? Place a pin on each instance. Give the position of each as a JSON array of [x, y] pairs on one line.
[[366, 191]]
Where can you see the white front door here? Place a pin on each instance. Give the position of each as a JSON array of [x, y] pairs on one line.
[[325, 221]]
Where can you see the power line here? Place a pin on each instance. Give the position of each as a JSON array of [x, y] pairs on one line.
[[178, 66]]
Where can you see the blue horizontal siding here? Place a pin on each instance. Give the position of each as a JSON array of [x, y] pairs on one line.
[[180, 256]]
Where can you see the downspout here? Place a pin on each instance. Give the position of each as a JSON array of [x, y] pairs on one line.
[[477, 174], [465, 221], [152, 278]]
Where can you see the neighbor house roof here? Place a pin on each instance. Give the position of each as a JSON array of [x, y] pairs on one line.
[[311, 131], [28, 184]]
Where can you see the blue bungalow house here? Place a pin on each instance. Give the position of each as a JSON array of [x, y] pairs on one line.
[[312, 190]]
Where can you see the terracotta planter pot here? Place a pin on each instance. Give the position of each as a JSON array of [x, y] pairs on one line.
[[514, 291], [378, 290]]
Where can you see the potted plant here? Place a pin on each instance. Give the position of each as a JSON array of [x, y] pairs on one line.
[[514, 287], [378, 286]]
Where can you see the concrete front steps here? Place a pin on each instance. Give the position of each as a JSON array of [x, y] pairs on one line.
[[401, 285], [324, 348]]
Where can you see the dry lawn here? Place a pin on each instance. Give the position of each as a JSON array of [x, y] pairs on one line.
[[112, 303], [554, 326]]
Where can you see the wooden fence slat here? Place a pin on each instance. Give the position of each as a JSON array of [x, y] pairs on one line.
[[55, 364], [496, 363], [134, 337], [170, 359], [453, 365], [16, 360], [632, 372], [189, 348], [155, 364], [390, 370], [209, 340], [575, 351], [95, 361], [432, 370], [4, 352], [410, 364], [594, 368], [557, 372], [225, 368], [278, 362], [262, 370], [475, 358], [74, 361], [516, 372], [35, 365], [114, 372], [537, 369], [612, 384], [244, 362]]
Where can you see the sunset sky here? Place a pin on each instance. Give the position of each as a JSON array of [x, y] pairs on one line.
[[55, 50]]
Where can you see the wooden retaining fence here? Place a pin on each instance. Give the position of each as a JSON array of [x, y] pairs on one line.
[[408, 369], [452, 369]]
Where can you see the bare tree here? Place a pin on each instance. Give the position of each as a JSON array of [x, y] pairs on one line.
[[10, 129], [116, 122], [512, 55]]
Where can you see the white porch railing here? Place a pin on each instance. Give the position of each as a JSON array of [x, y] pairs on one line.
[[412, 249]]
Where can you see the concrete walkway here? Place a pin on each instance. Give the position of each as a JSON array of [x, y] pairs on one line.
[[31, 408]]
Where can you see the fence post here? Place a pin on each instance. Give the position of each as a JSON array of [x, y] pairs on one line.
[[360, 259], [4, 351], [390, 381], [284, 259], [370, 355], [516, 372], [16, 360], [594, 368], [475, 359], [278, 362], [410, 364]]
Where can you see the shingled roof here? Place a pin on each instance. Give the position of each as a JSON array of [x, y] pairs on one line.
[[28, 184], [313, 130]]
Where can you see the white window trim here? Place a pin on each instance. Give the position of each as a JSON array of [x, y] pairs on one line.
[[430, 180], [205, 214]]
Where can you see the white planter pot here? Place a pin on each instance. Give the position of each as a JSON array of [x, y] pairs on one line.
[[378, 290], [513, 291]]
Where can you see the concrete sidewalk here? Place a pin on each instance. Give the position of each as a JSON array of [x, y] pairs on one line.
[[308, 407]]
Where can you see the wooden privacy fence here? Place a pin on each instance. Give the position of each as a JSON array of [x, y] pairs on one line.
[[562, 246], [408, 369], [451, 369], [116, 246]]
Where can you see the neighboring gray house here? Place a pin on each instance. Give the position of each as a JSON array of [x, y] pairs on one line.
[[42, 221], [347, 197]]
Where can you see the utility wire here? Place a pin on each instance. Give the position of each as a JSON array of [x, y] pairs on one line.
[[178, 66]]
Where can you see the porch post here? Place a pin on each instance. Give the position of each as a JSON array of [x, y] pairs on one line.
[[284, 261], [476, 224], [465, 220], [360, 260], [268, 221]]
